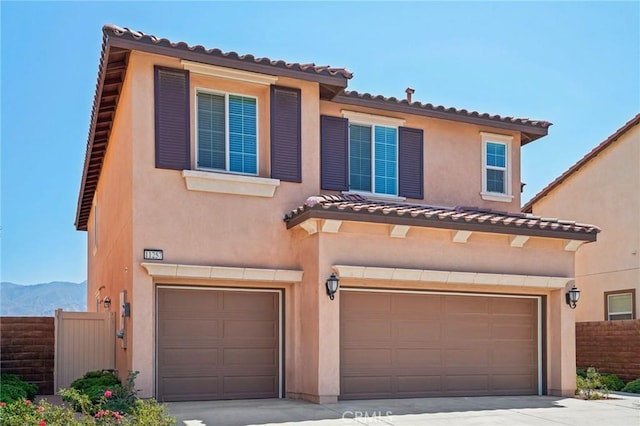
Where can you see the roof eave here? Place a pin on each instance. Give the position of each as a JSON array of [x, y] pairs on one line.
[[529, 132], [319, 212]]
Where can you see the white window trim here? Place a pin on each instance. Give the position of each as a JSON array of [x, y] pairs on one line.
[[228, 73], [370, 120], [230, 183], [609, 313], [226, 131], [506, 140]]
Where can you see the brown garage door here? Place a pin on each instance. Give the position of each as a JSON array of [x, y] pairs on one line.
[[217, 344], [414, 345]]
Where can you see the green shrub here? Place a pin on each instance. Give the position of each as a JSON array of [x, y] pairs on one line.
[[592, 386], [611, 382], [12, 388], [150, 413], [581, 373], [632, 387], [93, 385]]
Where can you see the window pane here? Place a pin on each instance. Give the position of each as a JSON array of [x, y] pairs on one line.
[[386, 147], [620, 317], [496, 154], [495, 181], [359, 157], [211, 141], [620, 303], [242, 135]]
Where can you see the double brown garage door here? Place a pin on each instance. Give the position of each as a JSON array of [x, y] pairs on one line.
[[416, 344], [217, 344]]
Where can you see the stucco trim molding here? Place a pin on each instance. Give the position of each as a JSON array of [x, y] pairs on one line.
[[450, 277], [228, 73], [230, 184], [172, 270]]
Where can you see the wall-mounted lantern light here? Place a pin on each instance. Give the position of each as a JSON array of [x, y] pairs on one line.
[[572, 297], [332, 285], [107, 303]]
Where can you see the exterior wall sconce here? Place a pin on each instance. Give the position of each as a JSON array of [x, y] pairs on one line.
[[107, 303], [332, 286], [572, 297]]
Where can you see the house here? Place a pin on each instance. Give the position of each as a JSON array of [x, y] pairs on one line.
[[603, 188], [223, 196]]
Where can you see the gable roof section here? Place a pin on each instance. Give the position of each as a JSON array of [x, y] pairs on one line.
[[530, 129], [359, 209], [528, 207], [118, 42]]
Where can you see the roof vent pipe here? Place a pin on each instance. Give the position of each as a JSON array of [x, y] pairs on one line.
[[409, 91]]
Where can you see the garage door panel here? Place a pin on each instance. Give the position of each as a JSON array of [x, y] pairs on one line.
[[416, 330], [181, 357], [368, 303], [369, 357], [418, 383], [476, 345], [195, 329], [250, 356], [254, 329], [229, 350], [417, 357], [364, 330]]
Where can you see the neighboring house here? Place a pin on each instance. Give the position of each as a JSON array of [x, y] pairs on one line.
[[259, 179], [603, 188]]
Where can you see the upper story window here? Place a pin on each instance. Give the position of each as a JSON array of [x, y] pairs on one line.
[[373, 159], [227, 137], [620, 305], [496, 167]]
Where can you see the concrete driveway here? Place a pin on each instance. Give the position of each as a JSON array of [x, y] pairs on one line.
[[624, 410]]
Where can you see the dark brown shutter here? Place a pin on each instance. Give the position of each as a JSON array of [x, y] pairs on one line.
[[410, 166], [334, 153], [285, 134], [172, 118]]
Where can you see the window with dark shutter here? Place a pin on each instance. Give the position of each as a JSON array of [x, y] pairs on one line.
[[334, 154], [172, 118], [410, 156], [286, 134]]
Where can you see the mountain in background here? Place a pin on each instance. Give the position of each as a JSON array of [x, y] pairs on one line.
[[42, 299]]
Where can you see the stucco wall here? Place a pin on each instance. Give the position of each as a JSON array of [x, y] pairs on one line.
[[605, 192], [110, 257]]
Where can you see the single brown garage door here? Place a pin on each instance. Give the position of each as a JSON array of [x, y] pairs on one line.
[[416, 344], [217, 344]]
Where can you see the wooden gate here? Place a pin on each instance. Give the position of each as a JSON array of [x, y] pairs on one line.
[[85, 341]]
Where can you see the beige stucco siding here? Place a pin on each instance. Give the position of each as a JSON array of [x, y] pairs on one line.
[[605, 192], [111, 259]]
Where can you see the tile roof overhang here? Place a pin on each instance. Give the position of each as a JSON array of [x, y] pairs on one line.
[[528, 207], [359, 209], [530, 129], [117, 43]]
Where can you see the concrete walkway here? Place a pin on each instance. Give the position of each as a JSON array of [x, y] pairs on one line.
[[507, 411]]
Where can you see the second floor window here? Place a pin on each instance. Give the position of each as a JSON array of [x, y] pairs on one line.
[[496, 167], [373, 159], [227, 137]]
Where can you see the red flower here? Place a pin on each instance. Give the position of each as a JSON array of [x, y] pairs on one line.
[[107, 394], [3, 404], [42, 423], [41, 409], [27, 402]]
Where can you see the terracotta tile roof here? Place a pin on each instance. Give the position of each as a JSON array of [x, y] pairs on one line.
[[531, 129], [138, 36], [358, 208], [528, 207]]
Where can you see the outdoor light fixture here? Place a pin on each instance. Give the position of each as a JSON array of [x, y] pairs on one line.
[[332, 286], [107, 303], [572, 297]]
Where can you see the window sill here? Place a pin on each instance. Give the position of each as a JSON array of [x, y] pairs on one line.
[[376, 197], [230, 184], [494, 196]]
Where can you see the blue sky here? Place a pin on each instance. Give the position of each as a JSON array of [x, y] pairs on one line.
[[574, 64]]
